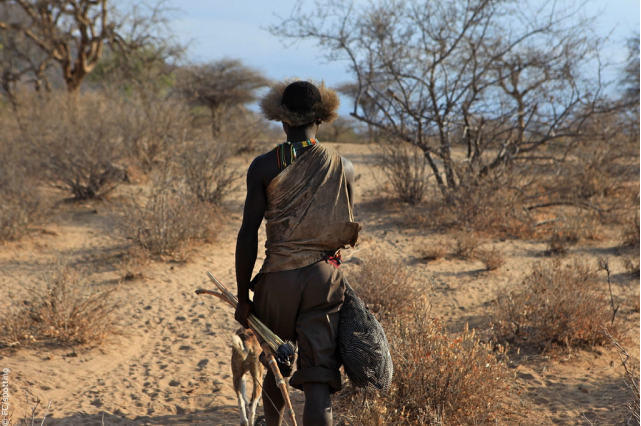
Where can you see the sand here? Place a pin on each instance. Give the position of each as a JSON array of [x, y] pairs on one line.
[[169, 363]]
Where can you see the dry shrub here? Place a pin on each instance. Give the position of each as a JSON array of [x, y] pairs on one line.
[[555, 304], [492, 207], [62, 307], [631, 265], [465, 244], [21, 203], [153, 128], [133, 263], [631, 232], [208, 174], [243, 130], [492, 259], [597, 170], [437, 379], [387, 287], [77, 141], [560, 242], [405, 168], [167, 220], [630, 240]]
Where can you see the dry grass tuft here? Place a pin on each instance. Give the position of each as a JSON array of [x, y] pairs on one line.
[[62, 307], [436, 252], [466, 245], [555, 305], [133, 263], [492, 259], [437, 379], [387, 287]]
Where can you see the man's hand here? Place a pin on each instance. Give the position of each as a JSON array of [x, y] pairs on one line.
[[243, 310]]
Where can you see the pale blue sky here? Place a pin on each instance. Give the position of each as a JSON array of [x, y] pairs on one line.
[[237, 29]]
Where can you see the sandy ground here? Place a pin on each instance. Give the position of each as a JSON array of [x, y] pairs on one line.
[[169, 364]]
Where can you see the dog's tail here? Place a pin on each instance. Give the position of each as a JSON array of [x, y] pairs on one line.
[[239, 346]]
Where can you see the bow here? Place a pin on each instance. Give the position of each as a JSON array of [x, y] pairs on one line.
[[269, 342]]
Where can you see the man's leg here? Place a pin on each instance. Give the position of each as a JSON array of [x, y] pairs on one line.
[[318, 405], [273, 402]]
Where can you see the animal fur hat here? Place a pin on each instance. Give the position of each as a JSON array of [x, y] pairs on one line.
[[298, 102]]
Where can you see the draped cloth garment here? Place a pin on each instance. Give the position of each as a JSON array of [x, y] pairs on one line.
[[308, 212]]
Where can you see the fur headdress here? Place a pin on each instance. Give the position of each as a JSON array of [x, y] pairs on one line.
[[304, 102]]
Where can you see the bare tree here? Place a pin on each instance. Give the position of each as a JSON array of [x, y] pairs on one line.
[[73, 33], [631, 73], [340, 127], [367, 107], [494, 76], [220, 86], [20, 59]]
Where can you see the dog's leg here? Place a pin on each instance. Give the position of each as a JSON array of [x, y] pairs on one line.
[[238, 374], [241, 394], [256, 392]]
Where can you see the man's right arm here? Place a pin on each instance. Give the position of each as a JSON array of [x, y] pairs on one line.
[[348, 169], [247, 241]]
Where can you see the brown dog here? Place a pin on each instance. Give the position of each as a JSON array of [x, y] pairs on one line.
[[244, 358]]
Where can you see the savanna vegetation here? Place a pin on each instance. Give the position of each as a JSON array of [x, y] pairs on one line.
[[483, 135]]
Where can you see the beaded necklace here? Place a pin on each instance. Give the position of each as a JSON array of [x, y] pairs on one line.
[[292, 147]]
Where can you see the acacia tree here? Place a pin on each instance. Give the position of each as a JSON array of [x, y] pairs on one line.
[[220, 86], [482, 73], [73, 33]]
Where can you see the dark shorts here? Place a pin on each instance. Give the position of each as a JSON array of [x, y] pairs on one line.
[[303, 305]]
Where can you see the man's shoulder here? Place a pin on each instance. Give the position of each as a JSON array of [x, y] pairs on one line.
[[263, 167], [263, 159]]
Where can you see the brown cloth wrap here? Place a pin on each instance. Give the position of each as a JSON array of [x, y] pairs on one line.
[[308, 212]]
